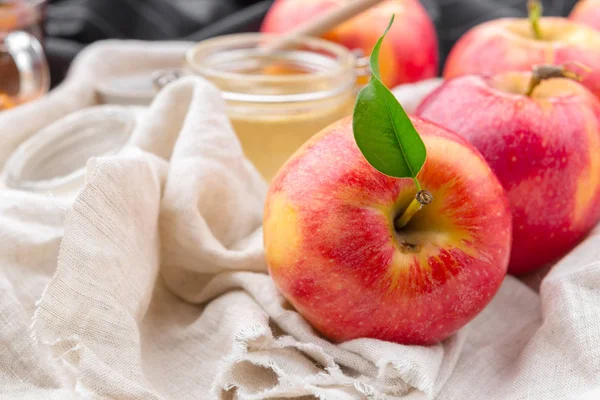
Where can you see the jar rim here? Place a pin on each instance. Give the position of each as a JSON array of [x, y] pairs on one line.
[[83, 129], [342, 66]]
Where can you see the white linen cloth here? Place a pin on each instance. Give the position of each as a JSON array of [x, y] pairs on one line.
[[150, 283]]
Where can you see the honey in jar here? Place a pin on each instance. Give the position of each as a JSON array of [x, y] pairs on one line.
[[23, 70], [278, 99]]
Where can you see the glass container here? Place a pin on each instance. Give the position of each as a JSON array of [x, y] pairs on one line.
[[24, 71], [54, 159], [277, 99]]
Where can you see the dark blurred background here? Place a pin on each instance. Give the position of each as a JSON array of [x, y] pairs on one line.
[[72, 24]]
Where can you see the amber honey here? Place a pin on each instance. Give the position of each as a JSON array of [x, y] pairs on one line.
[[6, 102]]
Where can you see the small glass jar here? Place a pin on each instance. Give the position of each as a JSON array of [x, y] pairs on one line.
[[24, 72], [277, 99]]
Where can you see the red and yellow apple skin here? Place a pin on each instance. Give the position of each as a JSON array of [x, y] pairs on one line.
[[409, 53], [545, 149], [587, 12], [505, 45], [333, 252]]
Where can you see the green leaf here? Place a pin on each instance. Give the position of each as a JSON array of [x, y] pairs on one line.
[[382, 129]]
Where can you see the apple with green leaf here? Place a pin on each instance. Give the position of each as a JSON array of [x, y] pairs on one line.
[[540, 133], [409, 55], [386, 226], [519, 44]]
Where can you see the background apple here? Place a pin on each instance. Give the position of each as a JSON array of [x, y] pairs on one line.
[[587, 12], [545, 149], [410, 53], [334, 253], [508, 44]]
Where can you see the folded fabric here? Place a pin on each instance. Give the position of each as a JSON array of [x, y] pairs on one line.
[[150, 283]]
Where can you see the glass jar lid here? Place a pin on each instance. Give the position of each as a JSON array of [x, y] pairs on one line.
[[54, 159]]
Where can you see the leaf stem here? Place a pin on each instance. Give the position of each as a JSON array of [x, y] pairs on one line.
[[535, 12], [417, 184], [422, 198]]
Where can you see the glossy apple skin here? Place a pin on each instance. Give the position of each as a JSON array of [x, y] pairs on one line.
[[545, 150], [333, 252], [409, 52], [505, 45], [587, 12]]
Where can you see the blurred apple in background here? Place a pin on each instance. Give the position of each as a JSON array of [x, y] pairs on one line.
[[334, 252], [544, 148], [410, 53], [587, 12], [510, 44]]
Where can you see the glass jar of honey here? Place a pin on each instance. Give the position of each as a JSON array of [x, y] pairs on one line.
[[277, 99], [23, 69]]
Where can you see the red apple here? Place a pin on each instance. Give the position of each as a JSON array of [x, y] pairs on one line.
[[508, 44], [587, 12], [334, 253], [544, 148], [410, 54]]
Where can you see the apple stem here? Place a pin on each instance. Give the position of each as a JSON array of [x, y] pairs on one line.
[[535, 12], [543, 72], [422, 198]]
